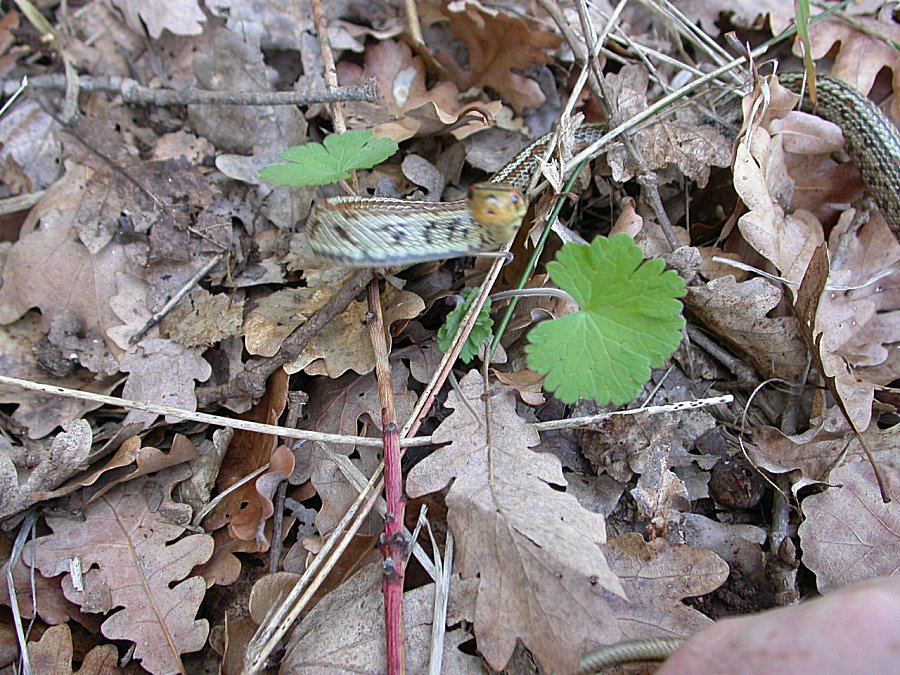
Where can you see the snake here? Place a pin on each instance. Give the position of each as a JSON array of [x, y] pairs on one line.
[[378, 231]]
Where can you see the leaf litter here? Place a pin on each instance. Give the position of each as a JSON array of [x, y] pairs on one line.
[[565, 540]]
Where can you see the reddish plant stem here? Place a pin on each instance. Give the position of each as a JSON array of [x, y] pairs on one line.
[[394, 545]]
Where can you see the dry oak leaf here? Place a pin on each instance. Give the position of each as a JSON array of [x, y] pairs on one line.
[[51, 269], [132, 563], [498, 43], [656, 576], [848, 533], [746, 13], [163, 373], [202, 319], [344, 343], [738, 315], [41, 412], [816, 451], [344, 632], [865, 48], [407, 107], [535, 551], [179, 17], [277, 315], [52, 655], [760, 179], [65, 457], [681, 141], [130, 461]]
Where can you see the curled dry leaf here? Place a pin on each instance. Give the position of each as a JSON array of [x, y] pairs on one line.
[[145, 460], [530, 545], [202, 319], [63, 459], [153, 606], [738, 313], [407, 107], [499, 44], [849, 533]]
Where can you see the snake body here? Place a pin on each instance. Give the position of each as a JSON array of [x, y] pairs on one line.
[[375, 231]]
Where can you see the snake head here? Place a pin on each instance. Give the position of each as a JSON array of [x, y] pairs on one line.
[[496, 206]]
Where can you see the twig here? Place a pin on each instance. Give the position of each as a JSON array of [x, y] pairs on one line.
[[24, 532], [648, 410], [176, 298], [133, 92], [252, 382], [217, 420], [394, 546]]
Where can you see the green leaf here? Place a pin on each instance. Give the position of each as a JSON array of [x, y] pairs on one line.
[[630, 322], [317, 164], [481, 331]]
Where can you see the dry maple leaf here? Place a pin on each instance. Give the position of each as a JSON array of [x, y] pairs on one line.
[[131, 568], [849, 533], [536, 552], [498, 43]]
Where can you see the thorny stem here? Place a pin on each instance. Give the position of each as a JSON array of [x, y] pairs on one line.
[[394, 546]]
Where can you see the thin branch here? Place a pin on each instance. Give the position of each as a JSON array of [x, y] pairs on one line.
[[135, 93], [217, 420]]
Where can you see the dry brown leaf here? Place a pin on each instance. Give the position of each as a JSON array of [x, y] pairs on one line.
[[345, 632], [660, 495], [277, 315], [530, 545], [747, 13], [247, 452], [52, 655], [498, 44], [680, 141], [849, 534], [202, 319], [657, 576], [344, 343], [338, 407], [29, 148], [179, 17], [249, 523], [52, 270], [162, 372], [52, 606], [407, 107], [760, 178], [816, 452], [528, 383], [145, 460], [862, 51], [738, 315], [41, 412], [64, 458], [149, 607]]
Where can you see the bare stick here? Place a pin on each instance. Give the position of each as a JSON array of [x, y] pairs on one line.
[[176, 298], [133, 92]]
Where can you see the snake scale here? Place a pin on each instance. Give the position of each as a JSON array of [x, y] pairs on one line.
[[375, 231]]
